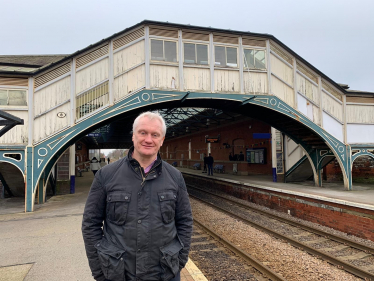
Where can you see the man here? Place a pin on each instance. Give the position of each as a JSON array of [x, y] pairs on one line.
[[108, 160], [145, 208], [210, 162], [205, 163]]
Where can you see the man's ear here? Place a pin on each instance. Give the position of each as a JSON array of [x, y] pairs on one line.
[[132, 138], [162, 142]]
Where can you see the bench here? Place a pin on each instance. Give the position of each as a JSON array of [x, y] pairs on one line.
[[197, 166], [219, 168], [87, 167], [174, 164], [79, 171]]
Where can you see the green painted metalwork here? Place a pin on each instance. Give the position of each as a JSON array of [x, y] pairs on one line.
[[20, 164], [45, 151]]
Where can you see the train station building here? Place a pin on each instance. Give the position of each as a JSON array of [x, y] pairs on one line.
[[248, 99]]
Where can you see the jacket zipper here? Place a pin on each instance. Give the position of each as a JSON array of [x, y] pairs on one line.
[[145, 177]]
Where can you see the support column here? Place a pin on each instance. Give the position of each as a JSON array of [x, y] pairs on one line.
[[29, 198], [72, 168], [274, 154], [147, 50]]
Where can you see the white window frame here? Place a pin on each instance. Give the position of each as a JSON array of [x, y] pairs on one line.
[[14, 89], [196, 43], [244, 59], [163, 50], [226, 66]]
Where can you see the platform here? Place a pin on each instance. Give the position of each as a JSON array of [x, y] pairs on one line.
[[361, 195], [29, 242]]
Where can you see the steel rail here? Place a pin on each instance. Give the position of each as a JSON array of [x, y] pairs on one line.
[[353, 244], [248, 258], [340, 264]]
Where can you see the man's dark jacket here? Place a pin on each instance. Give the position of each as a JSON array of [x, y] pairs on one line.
[[147, 222]]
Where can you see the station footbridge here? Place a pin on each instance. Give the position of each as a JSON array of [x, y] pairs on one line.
[[50, 102]]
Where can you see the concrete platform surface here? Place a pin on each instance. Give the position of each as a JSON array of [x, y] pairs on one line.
[[361, 195], [47, 245]]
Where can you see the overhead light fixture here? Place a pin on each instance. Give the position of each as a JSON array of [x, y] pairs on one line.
[[186, 129], [207, 122]]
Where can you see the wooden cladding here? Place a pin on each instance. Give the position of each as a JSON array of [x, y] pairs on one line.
[[253, 42], [157, 31], [307, 72], [332, 91], [361, 99], [9, 81], [93, 55], [188, 35], [221, 38], [129, 37], [53, 74], [281, 53]]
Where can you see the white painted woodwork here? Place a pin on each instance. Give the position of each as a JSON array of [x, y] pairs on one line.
[[18, 135], [49, 123], [360, 133], [282, 91], [164, 77], [196, 79], [128, 57], [332, 106], [332, 126], [281, 69], [92, 75], [294, 153], [226, 81], [255, 82], [360, 114], [52, 95], [316, 115], [129, 82], [307, 88]]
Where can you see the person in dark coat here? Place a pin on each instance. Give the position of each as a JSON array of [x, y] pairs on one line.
[[137, 222], [108, 160], [231, 158], [210, 162], [205, 163], [241, 156]]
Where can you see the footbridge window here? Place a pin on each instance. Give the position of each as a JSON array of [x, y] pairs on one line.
[[226, 56], [164, 50], [12, 97], [92, 100], [254, 59], [195, 53]]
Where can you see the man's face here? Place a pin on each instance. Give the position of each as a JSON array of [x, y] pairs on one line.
[[147, 138]]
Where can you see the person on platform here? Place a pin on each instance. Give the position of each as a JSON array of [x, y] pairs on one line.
[[210, 161], [108, 160], [137, 222], [205, 163], [241, 156], [231, 158], [95, 165]]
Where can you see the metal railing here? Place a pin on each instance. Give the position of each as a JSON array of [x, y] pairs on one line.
[[92, 100]]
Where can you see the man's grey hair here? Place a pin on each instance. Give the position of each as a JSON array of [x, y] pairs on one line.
[[150, 115]]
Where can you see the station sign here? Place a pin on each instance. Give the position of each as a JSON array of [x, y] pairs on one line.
[[211, 139], [94, 135]]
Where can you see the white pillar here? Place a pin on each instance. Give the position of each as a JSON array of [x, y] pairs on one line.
[[72, 93], [30, 104], [111, 75], [274, 154], [147, 57], [212, 60], [180, 58]]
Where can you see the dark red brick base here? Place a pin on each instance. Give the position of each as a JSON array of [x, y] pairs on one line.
[[351, 220]]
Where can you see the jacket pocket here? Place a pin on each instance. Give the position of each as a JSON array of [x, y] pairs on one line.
[[111, 259], [169, 258], [117, 205], [167, 204]]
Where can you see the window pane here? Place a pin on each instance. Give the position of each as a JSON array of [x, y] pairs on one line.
[[232, 57], [189, 53], [260, 59], [17, 98], [170, 51], [249, 58], [202, 54], [220, 58], [3, 97], [157, 52]]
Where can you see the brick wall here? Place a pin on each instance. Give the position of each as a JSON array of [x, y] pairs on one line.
[[351, 220], [362, 170], [237, 134]]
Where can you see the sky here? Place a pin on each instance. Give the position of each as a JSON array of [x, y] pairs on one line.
[[335, 36]]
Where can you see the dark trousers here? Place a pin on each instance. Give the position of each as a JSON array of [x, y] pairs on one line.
[[94, 172], [176, 278], [210, 169]]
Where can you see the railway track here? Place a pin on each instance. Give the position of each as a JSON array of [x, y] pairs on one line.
[[206, 249], [353, 257]]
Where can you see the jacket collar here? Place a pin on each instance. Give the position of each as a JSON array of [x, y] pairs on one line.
[[135, 162]]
